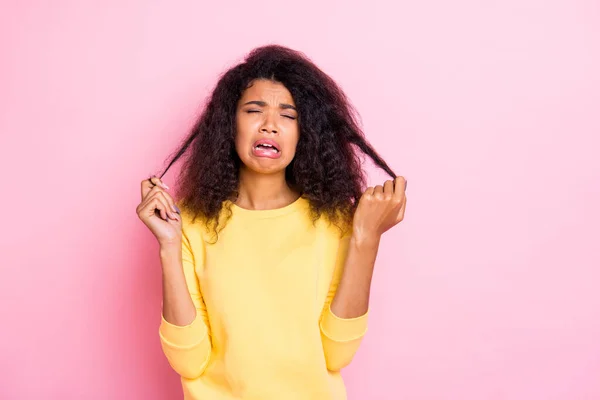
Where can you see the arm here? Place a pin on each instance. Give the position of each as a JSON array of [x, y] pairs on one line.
[[352, 297], [184, 329], [344, 319]]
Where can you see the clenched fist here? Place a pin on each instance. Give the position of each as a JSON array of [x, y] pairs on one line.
[[159, 213], [379, 209]]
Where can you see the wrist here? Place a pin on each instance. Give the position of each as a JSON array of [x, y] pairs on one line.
[[365, 240], [169, 250]]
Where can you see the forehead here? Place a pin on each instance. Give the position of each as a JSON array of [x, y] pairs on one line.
[[268, 91]]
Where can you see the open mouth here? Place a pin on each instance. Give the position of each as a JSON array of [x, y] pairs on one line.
[[266, 147]]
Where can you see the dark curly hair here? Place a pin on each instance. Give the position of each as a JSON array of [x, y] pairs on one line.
[[326, 168]]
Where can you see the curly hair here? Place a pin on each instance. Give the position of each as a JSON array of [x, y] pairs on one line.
[[326, 168]]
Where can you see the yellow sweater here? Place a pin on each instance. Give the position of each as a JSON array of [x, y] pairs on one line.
[[264, 328]]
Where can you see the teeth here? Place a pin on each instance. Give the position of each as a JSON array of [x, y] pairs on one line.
[[267, 145]]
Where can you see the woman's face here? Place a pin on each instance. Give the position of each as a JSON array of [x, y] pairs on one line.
[[267, 127]]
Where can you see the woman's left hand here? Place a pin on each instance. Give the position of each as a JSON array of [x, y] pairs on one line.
[[379, 209]]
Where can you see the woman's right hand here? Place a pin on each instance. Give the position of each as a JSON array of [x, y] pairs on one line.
[[159, 213]]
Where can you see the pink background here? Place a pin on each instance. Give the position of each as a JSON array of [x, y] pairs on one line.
[[488, 289]]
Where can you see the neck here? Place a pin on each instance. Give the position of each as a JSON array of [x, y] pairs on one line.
[[264, 192]]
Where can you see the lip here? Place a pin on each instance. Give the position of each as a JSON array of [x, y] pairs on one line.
[[264, 153], [267, 141]]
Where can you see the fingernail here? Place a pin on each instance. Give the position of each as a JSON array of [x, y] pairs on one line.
[[177, 210], [164, 185]]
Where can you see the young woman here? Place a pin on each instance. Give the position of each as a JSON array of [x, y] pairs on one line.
[[268, 254]]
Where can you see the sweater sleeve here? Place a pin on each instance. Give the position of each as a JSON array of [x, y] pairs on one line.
[[341, 337], [188, 348]]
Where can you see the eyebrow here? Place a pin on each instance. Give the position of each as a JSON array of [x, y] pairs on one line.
[[283, 106]]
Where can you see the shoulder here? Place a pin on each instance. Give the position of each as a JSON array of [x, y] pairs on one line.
[[334, 231]]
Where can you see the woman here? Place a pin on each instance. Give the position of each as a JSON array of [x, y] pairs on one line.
[[267, 261]]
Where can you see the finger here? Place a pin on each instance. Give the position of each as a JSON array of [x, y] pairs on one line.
[[169, 198], [152, 206], [165, 212], [388, 188], [378, 191], [157, 181], [147, 195], [156, 193], [150, 193], [147, 186], [171, 202], [150, 183], [368, 191], [399, 187], [171, 211]]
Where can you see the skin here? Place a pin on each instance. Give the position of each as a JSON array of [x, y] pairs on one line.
[[379, 209], [265, 110]]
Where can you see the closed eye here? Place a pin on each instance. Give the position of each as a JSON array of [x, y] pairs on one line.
[[283, 115]]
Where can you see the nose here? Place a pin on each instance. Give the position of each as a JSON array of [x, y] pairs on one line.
[[269, 125]]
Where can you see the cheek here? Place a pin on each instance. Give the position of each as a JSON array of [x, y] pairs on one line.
[[241, 135], [292, 143]]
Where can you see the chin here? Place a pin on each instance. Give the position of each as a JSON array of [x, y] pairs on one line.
[[264, 169], [265, 166]]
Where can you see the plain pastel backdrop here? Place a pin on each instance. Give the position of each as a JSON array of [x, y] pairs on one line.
[[487, 290]]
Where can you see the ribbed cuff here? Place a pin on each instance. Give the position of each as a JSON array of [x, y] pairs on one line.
[[343, 329], [183, 337]]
